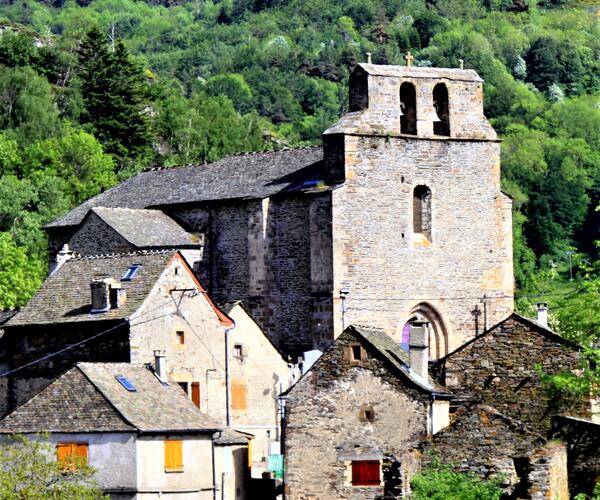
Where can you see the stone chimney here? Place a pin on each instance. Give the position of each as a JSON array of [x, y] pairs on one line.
[[419, 348], [542, 313], [61, 257], [160, 365], [100, 295]]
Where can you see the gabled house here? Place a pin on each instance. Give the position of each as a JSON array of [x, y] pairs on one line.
[[354, 420], [141, 434], [130, 307]]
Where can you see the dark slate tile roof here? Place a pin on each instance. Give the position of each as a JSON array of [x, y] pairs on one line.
[[248, 175], [6, 314], [65, 297], [153, 406], [397, 356], [230, 437], [421, 72], [146, 228], [69, 404]]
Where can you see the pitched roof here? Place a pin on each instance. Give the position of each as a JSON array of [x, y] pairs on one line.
[[69, 404], [6, 314], [248, 175], [153, 406], [230, 437], [89, 398], [146, 228], [541, 329], [65, 297], [396, 356], [468, 75]]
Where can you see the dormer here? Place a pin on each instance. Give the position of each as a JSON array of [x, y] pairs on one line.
[[431, 103]]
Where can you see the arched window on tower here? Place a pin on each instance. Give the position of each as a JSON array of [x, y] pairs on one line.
[[422, 211], [440, 103], [408, 108]]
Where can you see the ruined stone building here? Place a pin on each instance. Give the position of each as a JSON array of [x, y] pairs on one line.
[[398, 214]]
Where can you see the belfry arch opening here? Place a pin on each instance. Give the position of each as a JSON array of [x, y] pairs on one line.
[[442, 109], [408, 108], [438, 335], [422, 211]]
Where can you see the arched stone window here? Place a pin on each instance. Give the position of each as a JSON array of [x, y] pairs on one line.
[[408, 107], [422, 211], [440, 103], [438, 335]]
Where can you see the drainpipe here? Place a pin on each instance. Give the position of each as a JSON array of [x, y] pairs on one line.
[[227, 381], [214, 470], [344, 292]]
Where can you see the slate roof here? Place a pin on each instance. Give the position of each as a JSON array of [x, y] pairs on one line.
[[248, 175], [6, 314], [468, 75], [230, 436], [153, 407], [69, 404], [65, 297], [396, 356], [146, 228], [88, 398]]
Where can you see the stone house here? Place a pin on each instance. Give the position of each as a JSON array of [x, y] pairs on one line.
[[126, 308], [504, 421], [142, 435], [354, 420], [399, 215]]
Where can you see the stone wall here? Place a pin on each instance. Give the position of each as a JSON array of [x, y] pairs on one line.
[[583, 445], [324, 431], [95, 237], [499, 369], [391, 271], [28, 344]]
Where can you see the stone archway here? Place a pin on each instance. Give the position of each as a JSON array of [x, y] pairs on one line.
[[438, 334]]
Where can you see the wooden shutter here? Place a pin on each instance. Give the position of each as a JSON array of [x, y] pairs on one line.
[[71, 455], [63, 453], [173, 455], [366, 473], [196, 393], [238, 394]]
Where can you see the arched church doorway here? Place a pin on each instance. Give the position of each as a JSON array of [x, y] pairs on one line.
[[438, 335]]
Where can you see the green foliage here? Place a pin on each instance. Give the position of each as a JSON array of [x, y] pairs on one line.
[[20, 277], [441, 482], [29, 470]]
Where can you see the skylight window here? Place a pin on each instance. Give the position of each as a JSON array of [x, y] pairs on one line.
[[131, 272], [124, 381]]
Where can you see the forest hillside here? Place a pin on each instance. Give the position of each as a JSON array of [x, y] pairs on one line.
[[93, 91]]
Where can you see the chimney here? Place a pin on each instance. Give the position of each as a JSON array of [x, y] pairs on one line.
[[542, 313], [61, 257], [100, 295], [419, 348], [160, 365]]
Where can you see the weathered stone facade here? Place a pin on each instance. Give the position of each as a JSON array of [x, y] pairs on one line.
[[327, 427], [286, 231], [502, 369]]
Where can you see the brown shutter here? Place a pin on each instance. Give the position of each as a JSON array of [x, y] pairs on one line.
[[196, 393]]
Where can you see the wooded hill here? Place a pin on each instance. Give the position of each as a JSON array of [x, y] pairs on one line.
[[92, 92]]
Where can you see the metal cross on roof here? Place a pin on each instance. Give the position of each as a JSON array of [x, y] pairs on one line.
[[408, 58]]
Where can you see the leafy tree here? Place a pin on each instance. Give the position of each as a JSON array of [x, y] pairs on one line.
[[441, 482], [20, 277], [29, 470]]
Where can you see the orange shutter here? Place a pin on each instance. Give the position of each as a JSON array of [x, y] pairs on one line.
[[80, 452], [63, 453], [196, 393], [70, 455], [173, 455], [238, 394]]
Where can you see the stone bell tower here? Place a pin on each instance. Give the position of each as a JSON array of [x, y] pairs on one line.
[[420, 227]]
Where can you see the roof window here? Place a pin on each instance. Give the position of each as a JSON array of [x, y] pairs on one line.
[[131, 272], [124, 381]]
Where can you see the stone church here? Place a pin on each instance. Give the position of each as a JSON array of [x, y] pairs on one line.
[[397, 215]]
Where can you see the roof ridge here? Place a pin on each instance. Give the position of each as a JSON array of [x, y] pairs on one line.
[[128, 209], [124, 254], [233, 155]]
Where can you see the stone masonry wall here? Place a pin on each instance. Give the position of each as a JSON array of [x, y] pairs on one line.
[[389, 270], [324, 432], [95, 237], [499, 369], [27, 344]]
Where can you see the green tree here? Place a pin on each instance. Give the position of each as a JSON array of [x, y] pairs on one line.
[[29, 470], [20, 277]]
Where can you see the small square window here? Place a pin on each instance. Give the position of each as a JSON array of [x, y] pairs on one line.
[[356, 354], [131, 272], [366, 413], [184, 386], [366, 473], [238, 351], [180, 337]]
